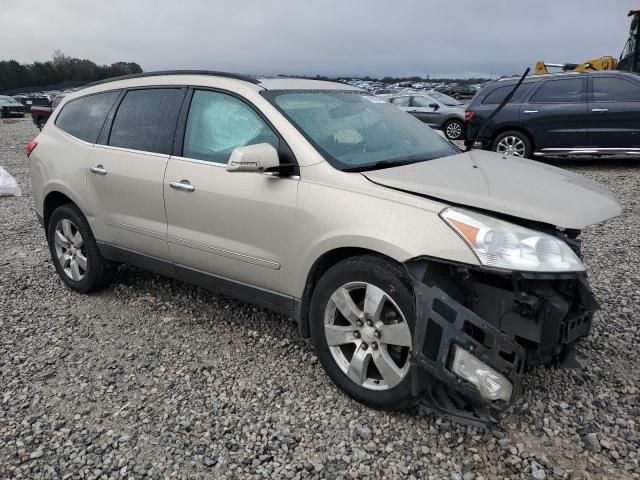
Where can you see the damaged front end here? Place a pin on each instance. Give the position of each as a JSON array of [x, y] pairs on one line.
[[478, 329]]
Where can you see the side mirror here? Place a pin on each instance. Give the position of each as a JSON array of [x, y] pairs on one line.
[[260, 157], [435, 106]]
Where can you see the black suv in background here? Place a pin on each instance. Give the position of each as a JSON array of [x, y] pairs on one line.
[[559, 114]]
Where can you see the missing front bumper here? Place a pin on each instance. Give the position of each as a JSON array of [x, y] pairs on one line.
[[507, 320]]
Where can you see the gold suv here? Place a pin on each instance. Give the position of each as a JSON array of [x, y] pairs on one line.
[[421, 273]]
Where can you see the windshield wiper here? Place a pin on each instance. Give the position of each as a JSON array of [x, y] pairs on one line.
[[381, 164]]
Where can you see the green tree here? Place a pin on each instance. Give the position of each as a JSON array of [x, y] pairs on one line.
[[61, 68]]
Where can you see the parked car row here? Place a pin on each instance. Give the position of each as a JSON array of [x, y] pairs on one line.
[[40, 114], [39, 99], [459, 91], [559, 114], [10, 108]]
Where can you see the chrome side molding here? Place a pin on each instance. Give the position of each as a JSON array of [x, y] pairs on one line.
[[586, 151]]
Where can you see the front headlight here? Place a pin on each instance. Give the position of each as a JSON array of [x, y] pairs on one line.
[[504, 245]]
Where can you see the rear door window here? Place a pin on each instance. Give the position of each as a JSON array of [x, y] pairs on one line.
[[219, 123], [401, 101], [561, 91], [146, 120], [611, 89], [83, 118]]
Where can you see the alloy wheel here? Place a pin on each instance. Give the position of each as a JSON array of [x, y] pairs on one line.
[[511, 145], [368, 336], [453, 131], [70, 249]]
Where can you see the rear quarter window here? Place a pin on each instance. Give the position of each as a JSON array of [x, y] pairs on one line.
[[497, 95], [83, 117]]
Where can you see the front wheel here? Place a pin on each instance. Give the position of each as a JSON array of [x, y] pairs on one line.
[[453, 129], [362, 325]]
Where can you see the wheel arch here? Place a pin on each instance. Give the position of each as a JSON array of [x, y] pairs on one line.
[[452, 117], [323, 263], [53, 200]]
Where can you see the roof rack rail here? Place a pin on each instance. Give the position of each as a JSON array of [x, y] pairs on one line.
[[212, 73], [543, 75], [299, 77]]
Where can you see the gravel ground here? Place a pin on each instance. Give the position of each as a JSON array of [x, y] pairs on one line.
[[153, 377]]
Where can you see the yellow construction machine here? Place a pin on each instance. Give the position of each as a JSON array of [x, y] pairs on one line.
[[629, 59]]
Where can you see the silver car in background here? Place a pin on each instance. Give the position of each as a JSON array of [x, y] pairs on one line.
[[435, 109]]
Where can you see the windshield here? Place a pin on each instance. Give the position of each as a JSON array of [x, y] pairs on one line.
[[356, 131], [445, 99], [7, 100]]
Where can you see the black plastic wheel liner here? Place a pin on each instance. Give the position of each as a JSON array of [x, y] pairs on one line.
[[442, 323]]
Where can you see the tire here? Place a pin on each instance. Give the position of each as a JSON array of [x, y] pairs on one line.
[[41, 122], [453, 129], [91, 271], [513, 143], [358, 276]]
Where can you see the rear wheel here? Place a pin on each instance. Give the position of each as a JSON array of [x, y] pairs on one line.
[[41, 122], [74, 251], [362, 326], [453, 129], [512, 143]]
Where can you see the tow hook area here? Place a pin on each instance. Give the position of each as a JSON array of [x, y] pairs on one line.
[[477, 331]]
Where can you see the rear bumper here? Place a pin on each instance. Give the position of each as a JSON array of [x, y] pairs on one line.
[[507, 320]]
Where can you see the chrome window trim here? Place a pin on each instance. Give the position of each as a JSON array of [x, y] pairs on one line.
[[131, 150], [195, 160], [220, 165]]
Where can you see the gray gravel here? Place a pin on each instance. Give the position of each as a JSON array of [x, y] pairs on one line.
[[155, 378]]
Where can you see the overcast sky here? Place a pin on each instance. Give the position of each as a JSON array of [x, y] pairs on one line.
[[330, 37]]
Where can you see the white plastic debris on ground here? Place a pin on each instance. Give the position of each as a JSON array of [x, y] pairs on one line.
[[8, 185]]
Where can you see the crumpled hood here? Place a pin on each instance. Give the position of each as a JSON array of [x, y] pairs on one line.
[[509, 185]]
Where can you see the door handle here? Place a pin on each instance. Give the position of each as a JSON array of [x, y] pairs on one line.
[[98, 170], [530, 111], [184, 186], [599, 110]]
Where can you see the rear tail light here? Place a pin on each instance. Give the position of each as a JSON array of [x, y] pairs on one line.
[[468, 115], [31, 146]]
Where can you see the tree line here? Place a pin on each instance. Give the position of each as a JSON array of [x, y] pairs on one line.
[[61, 68]]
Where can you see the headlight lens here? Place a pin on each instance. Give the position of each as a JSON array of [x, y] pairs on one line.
[[504, 245]]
